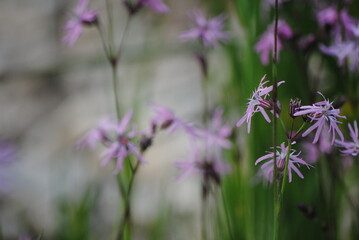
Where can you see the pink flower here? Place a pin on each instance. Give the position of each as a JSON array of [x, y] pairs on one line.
[[265, 45], [74, 26], [117, 138], [156, 5], [217, 134], [209, 32], [352, 147], [258, 103], [327, 16], [166, 119], [312, 152], [201, 161], [322, 113], [267, 168], [97, 135], [340, 50]]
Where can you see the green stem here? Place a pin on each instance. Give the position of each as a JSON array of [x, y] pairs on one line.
[[275, 97], [114, 86], [203, 218], [126, 218], [103, 42], [111, 39], [122, 39], [278, 203]]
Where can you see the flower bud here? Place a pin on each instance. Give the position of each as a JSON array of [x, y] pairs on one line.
[[166, 123], [294, 106], [266, 104], [145, 143], [281, 164]]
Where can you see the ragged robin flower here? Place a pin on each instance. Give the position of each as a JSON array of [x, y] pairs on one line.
[[295, 161], [259, 103], [82, 17], [320, 114]]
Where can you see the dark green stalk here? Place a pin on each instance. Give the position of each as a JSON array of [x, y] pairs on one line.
[[275, 99]]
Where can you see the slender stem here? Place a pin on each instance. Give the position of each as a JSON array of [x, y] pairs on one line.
[[300, 130], [275, 97], [285, 176], [203, 218], [103, 42], [278, 203], [109, 10], [282, 124], [122, 39], [115, 92], [205, 100], [126, 218]]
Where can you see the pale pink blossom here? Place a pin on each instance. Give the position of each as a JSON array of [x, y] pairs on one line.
[[322, 114], [82, 16], [166, 119], [295, 161], [118, 139], [265, 45], [351, 147], [258, 103], [156, 5], [209, 32]]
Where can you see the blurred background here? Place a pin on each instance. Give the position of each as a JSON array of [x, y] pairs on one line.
[[51, 94]]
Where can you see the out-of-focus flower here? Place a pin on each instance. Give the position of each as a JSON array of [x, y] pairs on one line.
[[267, 168], [344, 50], [198, 163], [352, 147], [258, 103], [307, 42], [83, 16], [333, 21], [7, 152], [265, 45], [272, 2], [166, 119], [206, 157], [327, 16], [97, 135], [217, 132], [340, 50], [156, 5], [322, 113], [209, 32], [117, 138], [312, 152]]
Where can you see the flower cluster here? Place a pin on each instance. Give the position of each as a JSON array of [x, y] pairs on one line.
[[206, 155], [259, 103], [344, 46]]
